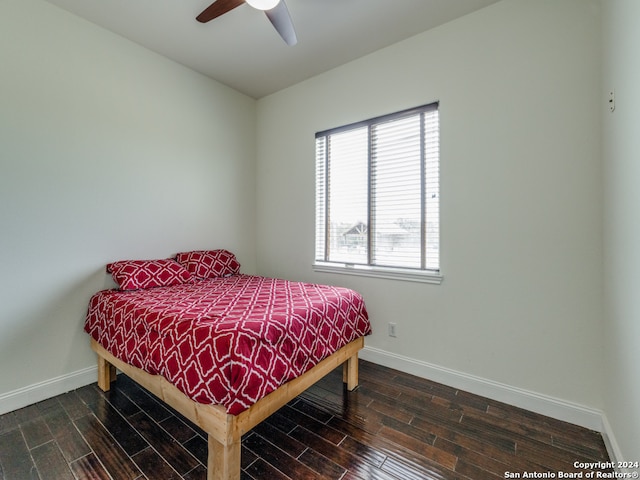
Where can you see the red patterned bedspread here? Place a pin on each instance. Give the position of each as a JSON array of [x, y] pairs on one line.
[[227, 341]]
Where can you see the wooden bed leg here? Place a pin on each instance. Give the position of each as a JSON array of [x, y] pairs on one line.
[[350, 372], [224, 460], [106, 374]]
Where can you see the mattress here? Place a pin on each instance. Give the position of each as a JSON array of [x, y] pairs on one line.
[[229, 340]]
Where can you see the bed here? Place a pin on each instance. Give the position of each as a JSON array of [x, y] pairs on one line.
[[223, 348]]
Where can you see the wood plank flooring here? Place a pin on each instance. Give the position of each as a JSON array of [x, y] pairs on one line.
[[393, 427]]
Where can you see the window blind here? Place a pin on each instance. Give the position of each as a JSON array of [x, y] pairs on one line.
[[377, 192]]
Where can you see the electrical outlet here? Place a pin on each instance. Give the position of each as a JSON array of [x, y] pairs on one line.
[[392, 329]]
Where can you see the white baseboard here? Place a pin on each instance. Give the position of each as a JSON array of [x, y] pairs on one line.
[[543, 404], [49, 388], [613, 449]]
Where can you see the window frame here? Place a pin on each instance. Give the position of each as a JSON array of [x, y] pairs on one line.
[[422, 274]]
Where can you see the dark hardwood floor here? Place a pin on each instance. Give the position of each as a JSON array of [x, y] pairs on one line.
[[393, 427]]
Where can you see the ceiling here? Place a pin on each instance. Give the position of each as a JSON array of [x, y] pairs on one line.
[[242, 49]]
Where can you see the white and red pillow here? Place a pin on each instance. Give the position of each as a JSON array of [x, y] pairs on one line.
[[209, 263], [141, 274]]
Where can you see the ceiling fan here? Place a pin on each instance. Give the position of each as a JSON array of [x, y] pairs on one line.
[[275, 10]]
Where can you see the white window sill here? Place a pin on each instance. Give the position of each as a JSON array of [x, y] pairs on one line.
[[380, 272]]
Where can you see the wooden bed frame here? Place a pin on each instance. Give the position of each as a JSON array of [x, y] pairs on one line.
[[225, 431]]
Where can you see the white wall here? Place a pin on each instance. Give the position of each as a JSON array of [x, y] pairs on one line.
[[621, 165], [107, 152], [519, 90]]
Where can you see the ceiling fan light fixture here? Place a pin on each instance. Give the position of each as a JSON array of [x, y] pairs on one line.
[[263, 4]]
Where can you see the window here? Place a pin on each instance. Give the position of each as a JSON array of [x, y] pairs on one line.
[[378, 198]]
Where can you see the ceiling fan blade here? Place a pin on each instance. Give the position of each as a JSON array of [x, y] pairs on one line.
[[281, 20], [217, 8]]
